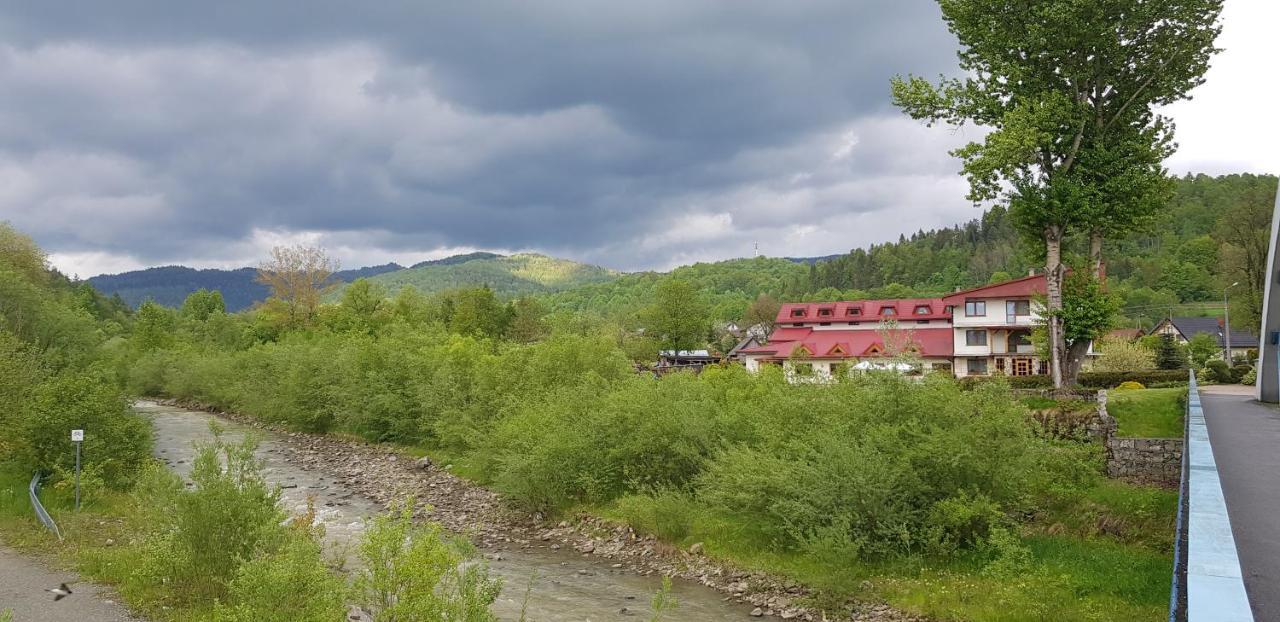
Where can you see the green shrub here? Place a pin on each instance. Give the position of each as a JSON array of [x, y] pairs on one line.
[[870, 466], [415, 571], [117, 441], [229, 517], [1109, 380], [1219, 372], [289, 585], [1250, 377], [667, 514], [1238, 372]]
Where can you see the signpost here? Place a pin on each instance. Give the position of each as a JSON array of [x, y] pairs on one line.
[[77, 437]]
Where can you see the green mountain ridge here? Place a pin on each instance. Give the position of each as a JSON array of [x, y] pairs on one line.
[[507, 275]]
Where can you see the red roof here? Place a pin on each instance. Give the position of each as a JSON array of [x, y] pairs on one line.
[[1026, 286], [854, 311], [851, 343]]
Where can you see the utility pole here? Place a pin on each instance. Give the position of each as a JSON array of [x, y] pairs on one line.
[[1226, 323]]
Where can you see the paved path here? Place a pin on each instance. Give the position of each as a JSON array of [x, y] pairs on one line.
[[1246, 445], [22, 585]]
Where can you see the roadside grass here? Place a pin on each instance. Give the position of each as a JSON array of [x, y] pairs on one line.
[[1148, 413], [102, 542], [1104, 556]]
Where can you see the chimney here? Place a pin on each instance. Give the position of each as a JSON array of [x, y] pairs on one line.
[[1031, 271]]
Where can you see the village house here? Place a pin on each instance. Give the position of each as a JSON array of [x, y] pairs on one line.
[[1184, 328], [976, 332]]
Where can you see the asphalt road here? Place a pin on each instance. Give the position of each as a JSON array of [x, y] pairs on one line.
[[1246, 445], [22, 585]]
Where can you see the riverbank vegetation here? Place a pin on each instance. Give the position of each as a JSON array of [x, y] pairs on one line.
[[876, 488], [217, 549]]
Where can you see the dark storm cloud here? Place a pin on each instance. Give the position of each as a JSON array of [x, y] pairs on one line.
[[635, 134]]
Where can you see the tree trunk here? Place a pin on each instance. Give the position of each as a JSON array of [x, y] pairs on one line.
[[1095, 253], [1076, 352], [1053, 290]]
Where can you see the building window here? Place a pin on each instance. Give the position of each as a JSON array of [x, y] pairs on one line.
[[1000, 366], [975, 308], [975, 337], [854, 323], [977, 367], [824, 312], [853, 311], [824, 323], [797, 313], [1019, 338], [802, 369], [922, 310], [888, 311], [922, 321], [1018, 308]]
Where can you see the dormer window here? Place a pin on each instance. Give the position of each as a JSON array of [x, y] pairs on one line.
[[853, 311], [824, 311], [797, 313], [922, 310], [887, 311]]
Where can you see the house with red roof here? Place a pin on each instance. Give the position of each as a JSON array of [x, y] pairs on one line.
[[975, 332]]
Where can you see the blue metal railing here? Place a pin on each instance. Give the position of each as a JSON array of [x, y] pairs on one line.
[[1178, 590], [41, 514]]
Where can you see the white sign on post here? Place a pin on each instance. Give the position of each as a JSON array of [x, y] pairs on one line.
[[77, 436]]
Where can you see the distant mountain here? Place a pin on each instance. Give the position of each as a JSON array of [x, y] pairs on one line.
[[812, 260], [170, 285], [456, 259], [513, 275], [348, 276]]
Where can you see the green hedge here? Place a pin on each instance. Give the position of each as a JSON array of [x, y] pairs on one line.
[[1088, 380]]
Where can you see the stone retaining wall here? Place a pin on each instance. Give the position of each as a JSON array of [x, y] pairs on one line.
[[1151, 460], [1147, 460]]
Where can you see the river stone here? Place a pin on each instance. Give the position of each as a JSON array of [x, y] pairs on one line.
[[423, 463], [696, 549], [757, 612]]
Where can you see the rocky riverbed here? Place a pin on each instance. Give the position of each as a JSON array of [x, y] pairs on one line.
[[358, 473]]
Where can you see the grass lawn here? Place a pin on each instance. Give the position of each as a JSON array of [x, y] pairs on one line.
[[1104, 556], [1148, 413]]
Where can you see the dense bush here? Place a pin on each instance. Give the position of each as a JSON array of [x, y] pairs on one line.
[[882, 466], [40, 408], [1129, 385], [1217, 371], [415, 571]]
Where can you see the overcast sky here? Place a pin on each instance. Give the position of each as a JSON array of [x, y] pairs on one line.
[[634, 135]]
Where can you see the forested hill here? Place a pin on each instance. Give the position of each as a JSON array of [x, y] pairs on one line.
[[170, 285], [512, 275], [1213, 233]]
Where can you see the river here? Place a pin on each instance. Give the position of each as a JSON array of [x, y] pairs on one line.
[[568, 586]]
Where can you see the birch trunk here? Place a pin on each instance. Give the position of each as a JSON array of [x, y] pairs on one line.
[[1053, 292]]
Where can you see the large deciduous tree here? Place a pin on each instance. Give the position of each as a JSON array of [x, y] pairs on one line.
[[1067, 90], [678, 317], [298, 277]]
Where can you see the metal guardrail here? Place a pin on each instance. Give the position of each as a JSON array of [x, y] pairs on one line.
[[41, 513]]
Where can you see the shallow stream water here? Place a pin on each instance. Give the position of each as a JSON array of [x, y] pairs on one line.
[[567, 587]]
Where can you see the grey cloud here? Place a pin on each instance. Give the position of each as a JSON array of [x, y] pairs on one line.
[[170, 132]]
